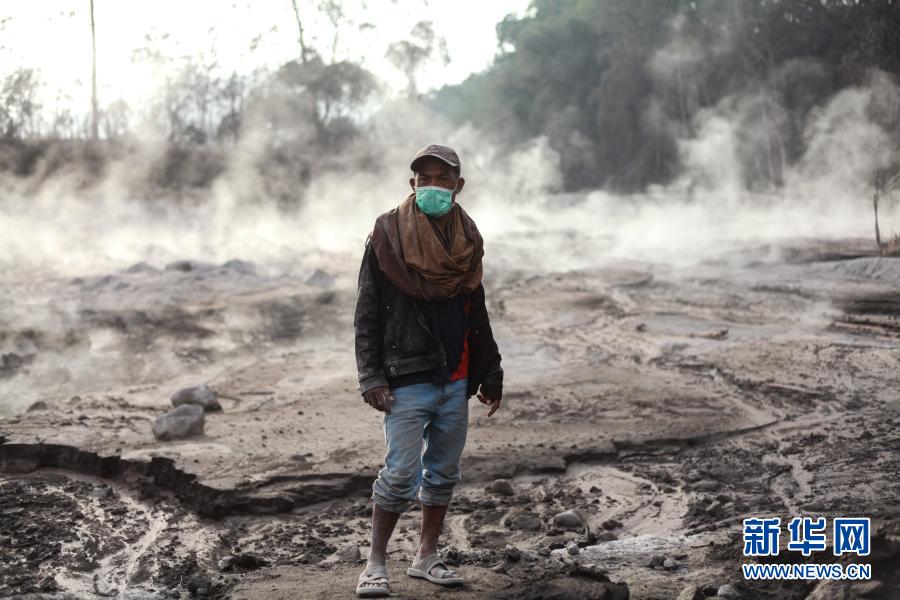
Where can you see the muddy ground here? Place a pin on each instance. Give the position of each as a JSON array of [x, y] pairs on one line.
[[664, 404]]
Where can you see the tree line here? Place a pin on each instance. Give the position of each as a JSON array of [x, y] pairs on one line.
[[614, 84]]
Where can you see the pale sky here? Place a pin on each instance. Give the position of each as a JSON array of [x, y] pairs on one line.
[[53, 36]]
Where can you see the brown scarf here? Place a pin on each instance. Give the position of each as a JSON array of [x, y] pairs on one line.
[[413, 257]]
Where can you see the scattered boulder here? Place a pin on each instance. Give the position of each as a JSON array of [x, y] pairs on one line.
[[526, 522], [185, 421], [39, 405], [568, 519], [199, 395], [12, 362], [241, 266], [180, 265], [729, 591], [656, 561], [320, 278], [241, 562], [611, 524], [606, 536], [501, 487], [669, 564], [572, 548], [198, 585], [513, 554], [141, 267]]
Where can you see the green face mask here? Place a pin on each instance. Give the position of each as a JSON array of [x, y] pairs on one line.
[[434, 201]]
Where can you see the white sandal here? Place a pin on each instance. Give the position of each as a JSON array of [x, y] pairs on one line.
[[444, 577], [373, 583]]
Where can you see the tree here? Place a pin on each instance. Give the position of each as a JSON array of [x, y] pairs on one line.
[[19, 106], [409, 55], [95, 105]]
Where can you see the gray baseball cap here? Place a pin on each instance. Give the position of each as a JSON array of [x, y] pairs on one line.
[[444, 153]]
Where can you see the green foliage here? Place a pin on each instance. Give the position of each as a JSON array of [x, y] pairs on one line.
[[613, 84]]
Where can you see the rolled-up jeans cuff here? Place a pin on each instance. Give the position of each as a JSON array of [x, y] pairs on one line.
[[391, 505], [435, 497]]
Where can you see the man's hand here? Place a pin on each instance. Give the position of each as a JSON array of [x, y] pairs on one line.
[[493, 403], [379, 398]]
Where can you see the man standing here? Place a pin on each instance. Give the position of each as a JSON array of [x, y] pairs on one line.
[[424, 345]]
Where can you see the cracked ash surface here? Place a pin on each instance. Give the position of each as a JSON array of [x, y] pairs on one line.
[[662, 405]]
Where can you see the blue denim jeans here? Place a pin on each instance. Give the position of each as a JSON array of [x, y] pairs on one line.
[[422, 413]]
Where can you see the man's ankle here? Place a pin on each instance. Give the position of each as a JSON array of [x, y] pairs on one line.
[[423, 552]]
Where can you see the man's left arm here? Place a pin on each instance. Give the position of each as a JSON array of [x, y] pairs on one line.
[[492, 380]]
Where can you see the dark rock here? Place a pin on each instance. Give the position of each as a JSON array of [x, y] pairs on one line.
[[39, 405], [241, 562], [501, 487], [526, 522], [199, 395], [320, 278], [185, 421], [513, 554], [141, 267], [180, 265], [199, 585], [569, 519], [656, 561], [670, 564], [611, 524], [241, 266], [247, 562], [12, 362], [572, 548]]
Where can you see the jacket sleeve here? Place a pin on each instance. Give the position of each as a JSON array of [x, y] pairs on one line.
[[367, 323], [492, 380]]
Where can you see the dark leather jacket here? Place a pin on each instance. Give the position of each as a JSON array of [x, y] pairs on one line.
[[393, 339]]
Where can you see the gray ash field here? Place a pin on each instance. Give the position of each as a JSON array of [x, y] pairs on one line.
[[663, 404]]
